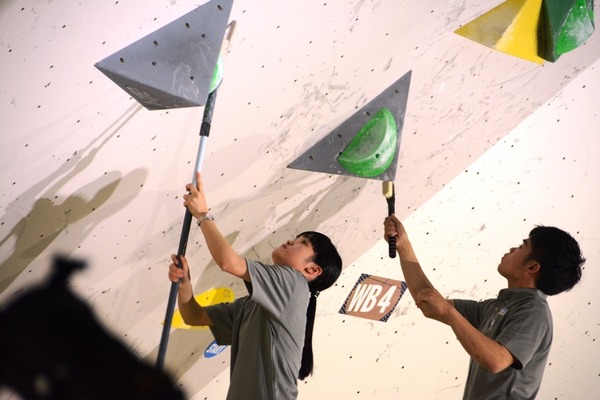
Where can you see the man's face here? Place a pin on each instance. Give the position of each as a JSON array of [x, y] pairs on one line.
[[515, 261], [295, 253]]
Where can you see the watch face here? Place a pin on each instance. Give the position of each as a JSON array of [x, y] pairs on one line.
[[205, 217]]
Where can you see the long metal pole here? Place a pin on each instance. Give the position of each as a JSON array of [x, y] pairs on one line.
[[185, 229]]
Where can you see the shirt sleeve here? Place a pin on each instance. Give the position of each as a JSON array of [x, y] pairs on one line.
[[527, 331], [469, 309], [273, 285], [221, 316], [524, 331]]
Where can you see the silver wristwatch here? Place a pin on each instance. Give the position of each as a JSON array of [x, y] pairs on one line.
[[205, 217]]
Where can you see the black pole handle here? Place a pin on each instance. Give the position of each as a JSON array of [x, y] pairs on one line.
[[392, 245], [391, 200], [164, 339]]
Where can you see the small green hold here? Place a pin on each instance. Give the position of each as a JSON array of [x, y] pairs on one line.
[[373, 148], [217, 75]]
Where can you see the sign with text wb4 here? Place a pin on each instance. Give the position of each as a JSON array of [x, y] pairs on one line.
[[373, 297]]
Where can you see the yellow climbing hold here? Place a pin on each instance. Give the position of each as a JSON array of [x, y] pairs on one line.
[[510, 27], [207, 298]]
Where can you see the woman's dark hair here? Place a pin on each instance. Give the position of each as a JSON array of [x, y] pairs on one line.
[[327, 257], [560, 259]]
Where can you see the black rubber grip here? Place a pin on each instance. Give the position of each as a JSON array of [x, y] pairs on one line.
[[392, 242]]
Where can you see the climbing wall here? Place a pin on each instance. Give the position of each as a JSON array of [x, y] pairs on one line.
[[492, 144]]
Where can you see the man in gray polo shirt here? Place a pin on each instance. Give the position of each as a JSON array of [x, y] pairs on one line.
[[509, 337]]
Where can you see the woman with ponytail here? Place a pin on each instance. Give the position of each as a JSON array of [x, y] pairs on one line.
[[327, 257], [270, 330]]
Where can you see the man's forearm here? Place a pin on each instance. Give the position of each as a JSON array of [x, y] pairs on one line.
[[415, 278], [487, 352]]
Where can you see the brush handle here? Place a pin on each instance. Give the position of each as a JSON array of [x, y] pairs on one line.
[[392, 246], [391, 203]]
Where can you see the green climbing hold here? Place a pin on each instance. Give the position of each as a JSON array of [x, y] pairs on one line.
[[578, 27], [217, 75], [563, 26], [373, 148]]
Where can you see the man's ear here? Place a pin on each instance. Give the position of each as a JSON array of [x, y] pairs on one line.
[[533, 266]]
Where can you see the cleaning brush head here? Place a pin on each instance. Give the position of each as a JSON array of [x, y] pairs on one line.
[[388, 189]]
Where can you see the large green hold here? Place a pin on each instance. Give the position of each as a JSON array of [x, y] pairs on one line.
[[373, 148], [563, 26]]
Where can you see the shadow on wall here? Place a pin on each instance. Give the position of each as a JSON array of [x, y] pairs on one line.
[[48, 219], [53, 347], [186, 347]]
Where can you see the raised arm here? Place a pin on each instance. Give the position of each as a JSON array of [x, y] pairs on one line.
[[487, 352], [221, 251], [416, 280]]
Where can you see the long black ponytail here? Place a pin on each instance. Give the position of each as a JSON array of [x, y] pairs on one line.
[[328, 258]]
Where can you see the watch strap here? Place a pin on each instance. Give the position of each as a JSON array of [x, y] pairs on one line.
[[205, 217]]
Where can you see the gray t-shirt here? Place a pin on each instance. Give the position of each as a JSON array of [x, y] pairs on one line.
[[266, 333], [520, 320]]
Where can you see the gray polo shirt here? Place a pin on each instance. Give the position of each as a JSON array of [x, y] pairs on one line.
[[266, 333], [520, 320]]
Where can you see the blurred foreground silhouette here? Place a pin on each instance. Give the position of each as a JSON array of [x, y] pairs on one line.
[[53, 347]]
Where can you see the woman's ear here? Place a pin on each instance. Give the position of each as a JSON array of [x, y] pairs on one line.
[[313, 270]]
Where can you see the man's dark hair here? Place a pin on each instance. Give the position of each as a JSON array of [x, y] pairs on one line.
[[560, 259]]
